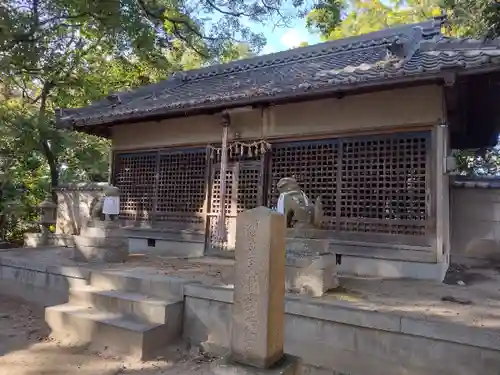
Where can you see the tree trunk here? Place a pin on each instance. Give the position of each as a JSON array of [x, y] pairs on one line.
[[47, 150], [54, 172]]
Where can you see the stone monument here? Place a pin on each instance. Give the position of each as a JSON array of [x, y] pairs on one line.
[[258, 318], [102, 239], [310, 267]]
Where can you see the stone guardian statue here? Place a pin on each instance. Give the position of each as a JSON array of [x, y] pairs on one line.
[[294, 204]]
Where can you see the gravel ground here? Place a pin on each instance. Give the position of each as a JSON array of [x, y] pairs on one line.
[[27, 349]]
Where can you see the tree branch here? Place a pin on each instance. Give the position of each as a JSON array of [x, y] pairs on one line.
[[225, 12], [176, 22]]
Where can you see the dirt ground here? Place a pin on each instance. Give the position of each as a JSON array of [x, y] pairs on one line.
[[27, 349]]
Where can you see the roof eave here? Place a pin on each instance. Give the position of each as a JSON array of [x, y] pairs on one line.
[[101, 128]]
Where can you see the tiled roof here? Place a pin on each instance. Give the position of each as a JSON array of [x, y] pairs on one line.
[[492, 182], [407, 51]]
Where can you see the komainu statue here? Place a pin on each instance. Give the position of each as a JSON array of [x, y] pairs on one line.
[[96, 209], [97, 205], [295, 205]]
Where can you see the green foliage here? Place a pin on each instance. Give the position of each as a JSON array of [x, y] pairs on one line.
[[326, 17], [336, 19], [479, 163], [474, 18], [340, 19], [69, 53]]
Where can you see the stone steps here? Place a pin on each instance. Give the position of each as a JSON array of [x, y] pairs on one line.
[[122, 312], [159, 286], [136, 305], [112, 332]]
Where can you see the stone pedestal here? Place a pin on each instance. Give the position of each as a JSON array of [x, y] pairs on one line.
[[103, 242], [312, 276], [310, 268]]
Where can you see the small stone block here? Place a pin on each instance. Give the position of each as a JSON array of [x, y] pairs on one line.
[[312, 276], [258, 308], [287, 365]]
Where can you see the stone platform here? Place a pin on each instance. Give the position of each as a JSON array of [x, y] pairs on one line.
[[367, 327], [102, 242]]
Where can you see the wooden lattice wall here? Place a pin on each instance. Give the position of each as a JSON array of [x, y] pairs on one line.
[[370, 185], [135, 176], [375, 184], [164, 186]]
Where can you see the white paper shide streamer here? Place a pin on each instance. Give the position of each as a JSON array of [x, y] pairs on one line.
[[111, 206]]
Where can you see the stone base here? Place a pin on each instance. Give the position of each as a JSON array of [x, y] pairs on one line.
[[305, 247], [101, 243], [387, 268], [288, 365], [310, 268], [312, 276]]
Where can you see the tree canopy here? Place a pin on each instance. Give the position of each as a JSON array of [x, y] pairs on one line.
[[336, 19], [344, 18], [68, 53], [472, 18]]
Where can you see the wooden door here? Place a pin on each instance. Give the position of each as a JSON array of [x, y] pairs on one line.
[[244, 191]]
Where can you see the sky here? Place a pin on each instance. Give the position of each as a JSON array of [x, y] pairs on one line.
[[280, 38]]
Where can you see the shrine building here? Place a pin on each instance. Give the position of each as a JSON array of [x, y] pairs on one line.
[[366, 122]]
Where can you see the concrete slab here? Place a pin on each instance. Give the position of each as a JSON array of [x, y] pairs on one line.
[[343, 313], [133, 280], [216, 293], [22, 262], [289, 365], [476, 336]]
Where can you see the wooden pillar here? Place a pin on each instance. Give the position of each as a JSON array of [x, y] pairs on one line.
[[110, 166], [221, 228], [442, 194]]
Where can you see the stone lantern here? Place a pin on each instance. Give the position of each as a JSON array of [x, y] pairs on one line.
[[47, 211], [47, 217]]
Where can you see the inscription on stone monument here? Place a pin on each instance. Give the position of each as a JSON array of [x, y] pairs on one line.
[[259, 291]]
